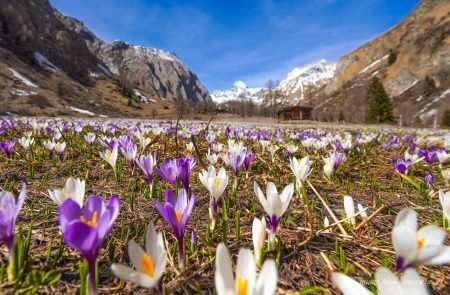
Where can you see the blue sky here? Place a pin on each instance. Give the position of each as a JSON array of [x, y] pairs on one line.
[[227, 40]]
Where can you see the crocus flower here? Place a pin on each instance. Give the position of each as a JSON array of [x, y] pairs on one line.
[[130, 153], [273, 149], [328, 167], [176, 212], [26, 142], [50, 146], [249, 156], [409, 283], [444, 198], [215, 183], [212, 158], [416, 247], [402, 166], [338, 158], [259, 238], [246, 281], [185, 166], [85, 229], [7, 145], [168, 170], [59, 148], [442, 156], [90, 138], [301, 169], [275, 205], [413, 157], [147, 163], [236, 156], [430, 179], [110, 156], [349, 207], [149, 264], [190, 147], [74, 189], [9, 210], [291, 148], [264, 144]]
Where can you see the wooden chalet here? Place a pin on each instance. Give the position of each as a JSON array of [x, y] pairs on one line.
[[295, 113]]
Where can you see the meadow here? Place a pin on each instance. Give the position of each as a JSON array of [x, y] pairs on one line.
[[164, 207]]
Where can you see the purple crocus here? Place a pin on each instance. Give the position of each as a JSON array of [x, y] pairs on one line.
[[7, 145], [168, 170], [401, 165], [185, 166], [85, 229], [147, 163], [249, 156], [9, 210], [430, 179], [339, 158], [176, 212]]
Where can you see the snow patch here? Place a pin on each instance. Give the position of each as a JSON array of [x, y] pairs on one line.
[[45, 63], [435, 100], [142, 97], [81, 111], [238, 91], [373, 64], [20, 92], [104, 70], [22, 78]]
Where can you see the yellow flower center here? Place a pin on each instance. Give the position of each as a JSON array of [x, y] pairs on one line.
[[108, 153], [242, 285], [178, 213], [147, 264], [217, 182], [92, 222], [420, 243]]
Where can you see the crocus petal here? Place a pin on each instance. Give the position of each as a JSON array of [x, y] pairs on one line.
[[246, 268], [122, 271], [68, 211], [83, 238], [442, 258], [260, 195], [412, 283], [349, 286], [405, 243], [223, 277], [136, 254], [387, 282], [407, 217], [267, 279]]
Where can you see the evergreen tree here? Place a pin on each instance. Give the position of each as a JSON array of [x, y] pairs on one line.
[[379, 104], [446, 119]]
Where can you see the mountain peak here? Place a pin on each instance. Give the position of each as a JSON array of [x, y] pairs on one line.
[[239, 85]]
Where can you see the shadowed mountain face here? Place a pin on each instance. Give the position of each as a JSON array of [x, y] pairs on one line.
[[413, 62], [70, 68]]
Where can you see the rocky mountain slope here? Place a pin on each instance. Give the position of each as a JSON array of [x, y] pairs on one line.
[[303, 82], [412, 60], [238, 92], [48, 66]]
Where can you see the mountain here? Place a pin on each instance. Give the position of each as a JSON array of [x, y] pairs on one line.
[[302, 82], [51, 64], [155, 70], [238, 92], [412, 60]]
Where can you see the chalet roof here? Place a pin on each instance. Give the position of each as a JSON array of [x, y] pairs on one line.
[[297, 107]]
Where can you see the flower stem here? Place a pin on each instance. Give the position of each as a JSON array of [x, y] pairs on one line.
[[302, 192], [92, 277], [181, 253]]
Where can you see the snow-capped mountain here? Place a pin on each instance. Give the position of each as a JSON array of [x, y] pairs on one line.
[[302, 81], [239, 91]]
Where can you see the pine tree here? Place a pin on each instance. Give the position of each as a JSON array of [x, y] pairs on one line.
[[379, 104], [446, 119]]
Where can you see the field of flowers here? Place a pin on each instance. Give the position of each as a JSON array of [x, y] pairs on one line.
[[151, 207]]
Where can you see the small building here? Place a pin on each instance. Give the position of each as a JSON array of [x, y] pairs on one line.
[[295, 113]]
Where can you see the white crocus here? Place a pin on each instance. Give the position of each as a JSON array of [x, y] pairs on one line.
[[90, 137], [273, 149], [442, 156], [110, 156], [291, 148], [49, 145], [215, 182], [246, 282], [74, 189], [416, 247], [413, 157], [349, 207], [149, 264], [144, 140], [259, 238], [301, 169], [212, 158], [189, 147], [264, 144], [444, 198], [26, 142], [328, 167], [60, 147], [388, 284]]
